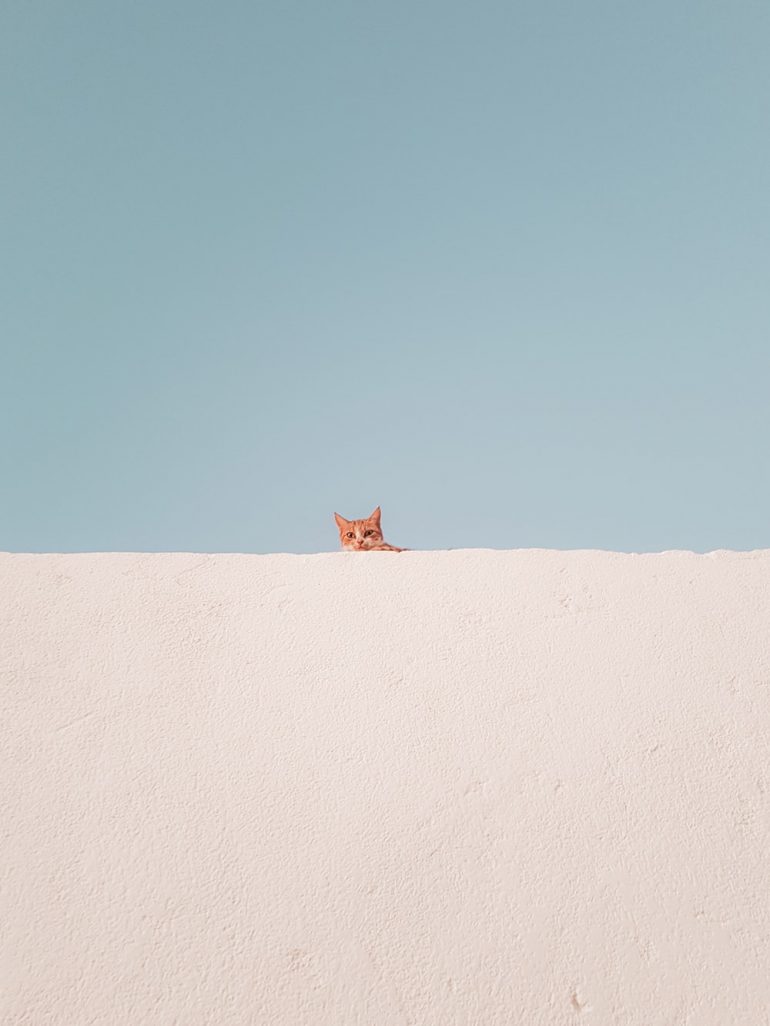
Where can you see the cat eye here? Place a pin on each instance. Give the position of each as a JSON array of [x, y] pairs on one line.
[[350, 535], [368, 534]]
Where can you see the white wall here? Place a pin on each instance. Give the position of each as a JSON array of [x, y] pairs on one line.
[[475, 788]]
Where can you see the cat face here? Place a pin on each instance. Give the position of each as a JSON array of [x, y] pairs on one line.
[[360, 535]]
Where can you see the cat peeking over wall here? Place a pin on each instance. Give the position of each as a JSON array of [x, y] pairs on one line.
[[363, 535]]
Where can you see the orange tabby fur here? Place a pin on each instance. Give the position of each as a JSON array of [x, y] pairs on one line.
[[363, 535]]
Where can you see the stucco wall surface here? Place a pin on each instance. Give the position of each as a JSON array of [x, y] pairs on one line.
[[480, 788]]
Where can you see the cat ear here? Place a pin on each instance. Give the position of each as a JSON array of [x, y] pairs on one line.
[[375, 517], [341, 521]]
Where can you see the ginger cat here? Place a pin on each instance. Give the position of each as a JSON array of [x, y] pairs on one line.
[[363, 535]]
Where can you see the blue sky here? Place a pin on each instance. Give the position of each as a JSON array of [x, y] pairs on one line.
[[499, 267]]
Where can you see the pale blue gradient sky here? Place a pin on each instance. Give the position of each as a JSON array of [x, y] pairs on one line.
[[501, 267]]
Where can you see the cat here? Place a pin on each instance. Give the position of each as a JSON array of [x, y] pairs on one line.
[[363, 535]]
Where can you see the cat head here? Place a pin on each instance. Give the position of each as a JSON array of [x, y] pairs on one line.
[[360, 535]]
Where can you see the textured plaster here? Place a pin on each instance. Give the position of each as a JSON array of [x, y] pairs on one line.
[[476, 788]]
